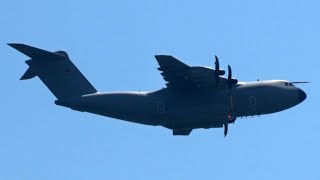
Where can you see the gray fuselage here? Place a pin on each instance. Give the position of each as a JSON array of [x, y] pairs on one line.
[[197, 108]]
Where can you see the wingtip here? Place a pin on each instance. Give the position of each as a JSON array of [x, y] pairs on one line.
[[157, 56], [14, 45], [11, 44], [161, 55]]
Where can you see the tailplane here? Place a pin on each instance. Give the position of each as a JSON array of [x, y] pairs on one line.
[[56, 71]]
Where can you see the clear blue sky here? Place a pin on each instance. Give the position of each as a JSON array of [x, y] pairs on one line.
[[277, 39]]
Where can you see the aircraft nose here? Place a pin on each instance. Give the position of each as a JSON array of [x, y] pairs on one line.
[[302, 95]]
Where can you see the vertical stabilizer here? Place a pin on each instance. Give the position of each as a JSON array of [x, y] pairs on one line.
[[56, 71]]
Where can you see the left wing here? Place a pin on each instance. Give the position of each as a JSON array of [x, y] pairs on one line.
[[173, 71], [180, 75]]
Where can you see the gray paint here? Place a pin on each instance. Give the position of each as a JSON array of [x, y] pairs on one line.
[[192, 99]]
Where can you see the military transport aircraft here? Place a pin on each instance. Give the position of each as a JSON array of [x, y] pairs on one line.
[[194, 96]]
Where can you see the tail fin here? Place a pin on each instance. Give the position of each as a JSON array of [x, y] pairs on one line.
[[56, 71]]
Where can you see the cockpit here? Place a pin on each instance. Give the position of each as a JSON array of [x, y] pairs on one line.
[[288, 84]]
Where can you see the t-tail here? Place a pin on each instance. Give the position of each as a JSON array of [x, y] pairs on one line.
[[56, 71]]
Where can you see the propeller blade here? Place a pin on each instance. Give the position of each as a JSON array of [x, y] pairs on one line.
[[225, 129], [229, 81], [218, 72], [229, 72], [217, 68], [217, 63]]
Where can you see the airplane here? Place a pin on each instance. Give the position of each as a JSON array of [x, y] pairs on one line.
[[194, 97]]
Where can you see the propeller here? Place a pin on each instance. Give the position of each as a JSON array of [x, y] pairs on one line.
[[218, 71], [230, 82]]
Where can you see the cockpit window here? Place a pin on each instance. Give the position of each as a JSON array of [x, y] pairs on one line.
[[288, 84]]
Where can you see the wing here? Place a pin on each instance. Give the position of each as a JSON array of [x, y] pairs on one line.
[[173, 71], [180, 75]]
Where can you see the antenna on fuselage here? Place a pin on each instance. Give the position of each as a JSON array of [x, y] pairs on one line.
[[299, 82]]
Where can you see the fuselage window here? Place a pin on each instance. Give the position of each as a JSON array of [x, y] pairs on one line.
[[252, 101], [160, 108], [131, 101]]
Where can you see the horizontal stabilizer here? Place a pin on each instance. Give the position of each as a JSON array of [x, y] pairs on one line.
[[36, 53], [28, 74]]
